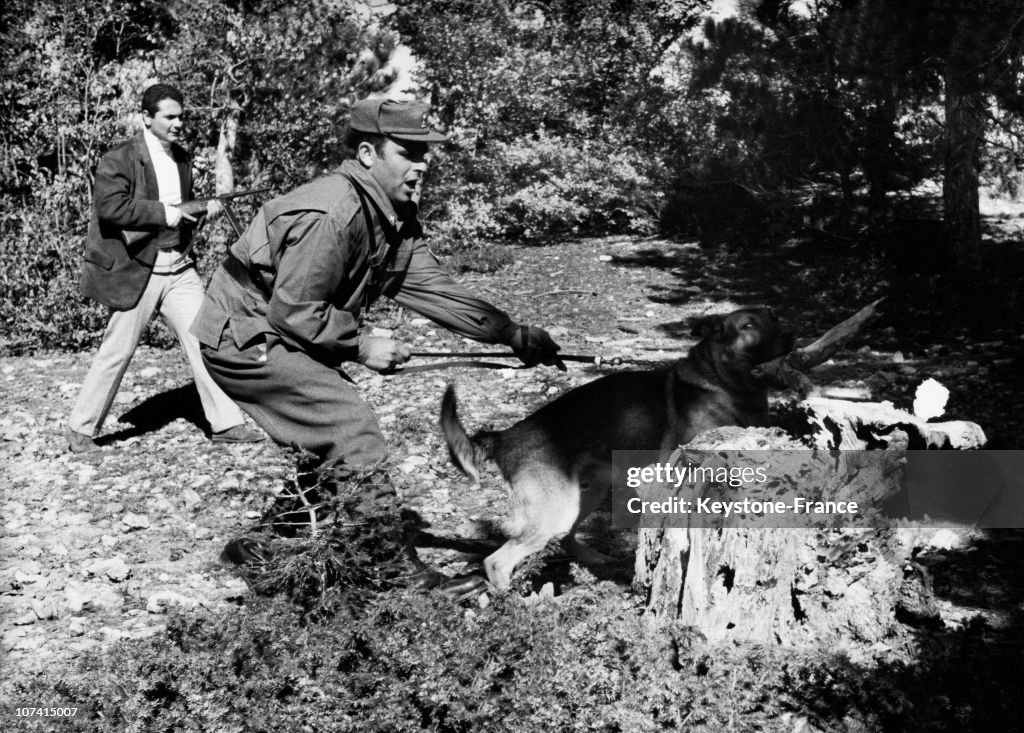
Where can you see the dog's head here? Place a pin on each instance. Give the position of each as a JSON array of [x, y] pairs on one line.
[[752, 335]]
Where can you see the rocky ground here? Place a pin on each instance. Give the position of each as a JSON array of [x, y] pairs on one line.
[[95, 547]]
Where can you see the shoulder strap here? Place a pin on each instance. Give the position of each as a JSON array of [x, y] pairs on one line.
[[362, 204]]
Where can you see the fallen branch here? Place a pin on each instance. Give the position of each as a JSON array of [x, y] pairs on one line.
[[788, 370]]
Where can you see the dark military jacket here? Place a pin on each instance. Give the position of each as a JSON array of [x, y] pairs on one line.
[[313, 259]]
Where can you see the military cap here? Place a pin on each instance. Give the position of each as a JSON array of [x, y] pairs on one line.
[[405, 121]]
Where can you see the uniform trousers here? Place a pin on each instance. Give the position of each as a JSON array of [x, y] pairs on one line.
[[177, 298], [298, 400]]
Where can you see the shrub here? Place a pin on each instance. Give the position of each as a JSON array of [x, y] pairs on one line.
[[544, 186], [561, 185], [587, 661], [41, 249], [542, 102], [286, 72]]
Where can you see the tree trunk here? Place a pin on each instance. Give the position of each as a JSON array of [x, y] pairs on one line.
[[791, 586], [224, 172], [786, 586], [744, 579], [965, 127], [878, 154]]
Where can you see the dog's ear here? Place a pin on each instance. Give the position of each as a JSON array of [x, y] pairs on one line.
[[708, 327]]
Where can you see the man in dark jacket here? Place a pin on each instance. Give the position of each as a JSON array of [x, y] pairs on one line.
[[281, 316], [137, 263]]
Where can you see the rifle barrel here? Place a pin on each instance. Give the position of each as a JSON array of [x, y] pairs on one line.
[[238, 194]]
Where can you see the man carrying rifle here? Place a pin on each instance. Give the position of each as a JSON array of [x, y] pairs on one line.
[[138, 262]]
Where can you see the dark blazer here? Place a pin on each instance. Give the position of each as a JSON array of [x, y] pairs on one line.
[[126, 197]]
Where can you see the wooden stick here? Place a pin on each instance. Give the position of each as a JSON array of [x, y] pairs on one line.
[[788, 370]]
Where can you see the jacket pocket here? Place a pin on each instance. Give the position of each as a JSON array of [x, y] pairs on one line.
[[99, 258]]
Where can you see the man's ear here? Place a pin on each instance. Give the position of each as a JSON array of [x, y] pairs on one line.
[[708, 326], [366, 154]]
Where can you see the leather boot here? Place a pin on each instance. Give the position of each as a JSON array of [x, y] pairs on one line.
[[246, 551], [417, 574], [414, 573]]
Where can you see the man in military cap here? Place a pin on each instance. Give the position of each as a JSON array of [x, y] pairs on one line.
[[281, 315]]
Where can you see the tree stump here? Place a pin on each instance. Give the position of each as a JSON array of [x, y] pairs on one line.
[[788, 585], [846, 425]]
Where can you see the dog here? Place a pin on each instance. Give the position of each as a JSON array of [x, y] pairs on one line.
[[558, 460]]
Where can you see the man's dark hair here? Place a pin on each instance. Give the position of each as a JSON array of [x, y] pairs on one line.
[[155, 94], [353, 139]]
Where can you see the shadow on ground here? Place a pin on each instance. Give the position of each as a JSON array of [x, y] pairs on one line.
[[961, 327], [161, 410], [961, 679]]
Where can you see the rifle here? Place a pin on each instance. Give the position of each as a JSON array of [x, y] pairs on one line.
[[197, 210]]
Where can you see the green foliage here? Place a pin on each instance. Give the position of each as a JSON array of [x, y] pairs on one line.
[[75, 73], [566, 118], [358, 548], [409, 662], [586, 662], [557, 187], [40, 247], [546, 186], [287, 71], [542, 102]]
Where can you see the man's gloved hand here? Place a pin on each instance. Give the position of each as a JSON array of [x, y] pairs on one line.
[[208, 209], [382, 354], [534, 346], [214, 208]]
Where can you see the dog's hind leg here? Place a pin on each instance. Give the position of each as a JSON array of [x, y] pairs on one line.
[[585, 555], [545, 506], [594, 483]]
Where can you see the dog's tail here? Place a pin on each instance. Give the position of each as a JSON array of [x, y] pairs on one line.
[[464, 450]]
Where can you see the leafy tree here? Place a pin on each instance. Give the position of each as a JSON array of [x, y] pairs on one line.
[[281, 73], [973, 50], [571, 81], [893, 91], [284, 73]]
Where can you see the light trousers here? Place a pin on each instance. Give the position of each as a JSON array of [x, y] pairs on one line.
[[177, 299]]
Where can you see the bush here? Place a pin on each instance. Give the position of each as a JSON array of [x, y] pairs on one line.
[[411, 662], [544, 186], [286, 72], [41, 249], [542, 102], [587, 661], [561, 185]]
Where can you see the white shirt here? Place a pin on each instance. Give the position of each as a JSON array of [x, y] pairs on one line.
[[167, 181], [169, 187]]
